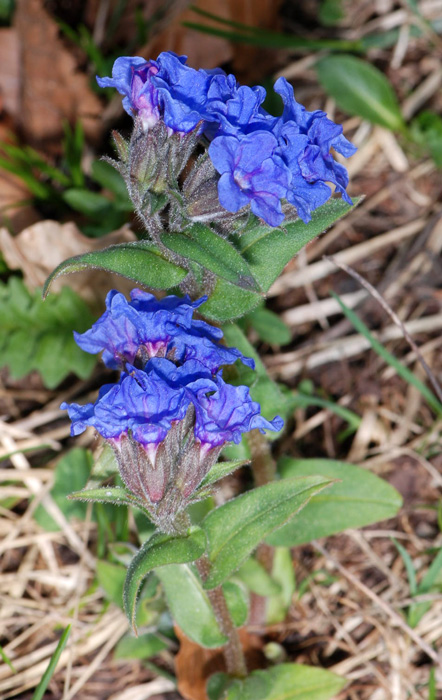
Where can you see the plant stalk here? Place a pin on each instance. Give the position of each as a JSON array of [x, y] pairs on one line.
[[233, 651]]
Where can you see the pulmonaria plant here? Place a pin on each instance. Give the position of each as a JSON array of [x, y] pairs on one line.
[[171, 413], [249, 160]]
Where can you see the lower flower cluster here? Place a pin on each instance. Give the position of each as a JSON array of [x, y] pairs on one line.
[[171, 412]]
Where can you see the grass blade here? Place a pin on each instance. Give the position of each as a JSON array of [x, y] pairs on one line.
[[402, 371], [40, 689]]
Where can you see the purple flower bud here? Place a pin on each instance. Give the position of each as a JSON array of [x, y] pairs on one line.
[[132, 77]]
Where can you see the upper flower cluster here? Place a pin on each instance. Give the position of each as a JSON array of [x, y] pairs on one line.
[[171, 407], [261, 159]]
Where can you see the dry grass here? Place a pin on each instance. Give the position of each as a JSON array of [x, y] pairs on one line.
[[353, 625]]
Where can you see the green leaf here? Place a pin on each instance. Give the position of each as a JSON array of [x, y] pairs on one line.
[[205, 247], [256, 578], [269, 326], [287, 682], [237, 601], [272, 397], [71, 473], [111, 578], [227, 301], [361, 89], [86, 202], [107, 176], [256, 36], [105, 465], [114, 495], [236, 528], [357, 498], [268, 250], [142, 647], [190, 606], [46, 678], [402, 371], [38, 336], [220, 470], [284, 574], [159, 551], [140, 261]]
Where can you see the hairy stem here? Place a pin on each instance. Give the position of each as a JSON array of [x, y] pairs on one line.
[[263, 465], [233, 651]]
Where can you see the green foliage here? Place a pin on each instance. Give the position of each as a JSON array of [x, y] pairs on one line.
[[356, 498], [256, 578], [142, 647], [330, 12], [236, 528], [185, 595], [140, 261], [71, 473], [237, 601], [361, 89], [268, 325], [159, 551], [111, 578], [114, 495], [46, 678], [426, 130], [38, 336], [255, 36], [283, 574], [288, 681], [431, 582], [242, 269], [220, 470]]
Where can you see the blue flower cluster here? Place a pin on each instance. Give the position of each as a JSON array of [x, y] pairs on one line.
[[171, 370], [261, 159]]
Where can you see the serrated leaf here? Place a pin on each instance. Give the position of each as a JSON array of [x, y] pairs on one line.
[[360, 89], [140, 261], [37, 335], [205, 247], [236, 528], [160, 550], [268, 250], [220, 470], [357, 498], [190, 605], [287, 682]]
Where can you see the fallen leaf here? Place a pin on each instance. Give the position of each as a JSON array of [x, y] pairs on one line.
[[52, 88], [194, 664], [38, 249], [10, 72]]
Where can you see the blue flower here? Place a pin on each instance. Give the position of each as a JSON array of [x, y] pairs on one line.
[[251, 173], [223, 416], [144, 327], [142, 403], [306, 139]]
